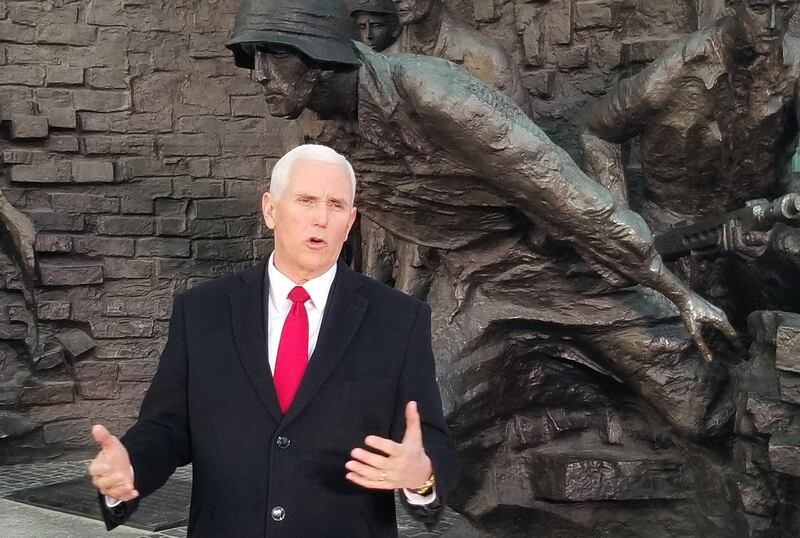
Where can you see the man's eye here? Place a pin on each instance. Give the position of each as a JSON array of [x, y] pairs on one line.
[[378, 25]]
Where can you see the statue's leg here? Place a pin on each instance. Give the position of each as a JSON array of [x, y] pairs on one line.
[[660, 363], [411, 274], [505, 304], [377, 251]]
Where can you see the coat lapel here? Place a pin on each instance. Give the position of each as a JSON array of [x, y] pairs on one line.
[[343, 314], [249, 331]]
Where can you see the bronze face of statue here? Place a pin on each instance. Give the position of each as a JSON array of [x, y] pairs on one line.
[[288, 79], [413, 11], [376, 30], [377, 24], [763, 23]]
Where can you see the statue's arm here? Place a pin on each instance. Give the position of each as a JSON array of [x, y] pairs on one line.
[[482, 129], [619, 116], [506, 75]]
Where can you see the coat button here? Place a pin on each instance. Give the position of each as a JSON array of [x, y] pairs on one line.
[[278, 513], [283, 442]]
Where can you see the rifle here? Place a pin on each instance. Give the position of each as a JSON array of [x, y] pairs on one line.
[[705, 237]]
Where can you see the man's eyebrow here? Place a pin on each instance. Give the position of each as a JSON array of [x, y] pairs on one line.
[[336, 199]]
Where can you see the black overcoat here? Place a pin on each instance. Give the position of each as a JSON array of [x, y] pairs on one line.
[[257, 473]]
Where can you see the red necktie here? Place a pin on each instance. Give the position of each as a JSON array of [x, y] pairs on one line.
[[293, 349]]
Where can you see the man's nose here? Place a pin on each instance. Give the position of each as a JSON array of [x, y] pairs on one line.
[[370, 34], [320, 217], [772, 17], [260, 73]]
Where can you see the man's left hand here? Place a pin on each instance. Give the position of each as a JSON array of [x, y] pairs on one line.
[[750, 245], [392, 465]]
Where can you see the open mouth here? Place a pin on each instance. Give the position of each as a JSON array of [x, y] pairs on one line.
[[316, 243]]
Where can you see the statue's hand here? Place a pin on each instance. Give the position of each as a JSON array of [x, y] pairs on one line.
[[697, 312], [750, 245], [785, 240]]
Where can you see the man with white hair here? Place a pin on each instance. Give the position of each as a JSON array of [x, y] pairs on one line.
[[303, 393]]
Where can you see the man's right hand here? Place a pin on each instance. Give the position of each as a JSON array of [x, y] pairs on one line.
[[111, 469], [697, 312]]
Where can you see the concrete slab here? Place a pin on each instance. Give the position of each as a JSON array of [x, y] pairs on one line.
[[24, 521]]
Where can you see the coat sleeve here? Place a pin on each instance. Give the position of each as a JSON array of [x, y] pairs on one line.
[[160, 440], [418, 383]]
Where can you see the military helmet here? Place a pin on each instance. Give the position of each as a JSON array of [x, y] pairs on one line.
[[372, 6], [320, 29]]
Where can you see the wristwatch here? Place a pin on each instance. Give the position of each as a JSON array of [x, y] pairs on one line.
[[426, 488]]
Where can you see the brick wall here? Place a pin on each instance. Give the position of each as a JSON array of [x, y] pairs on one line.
[[139, 151]]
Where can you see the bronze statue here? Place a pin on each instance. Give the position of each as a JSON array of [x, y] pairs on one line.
[[376, 22], [717, 120], [428, 27], [427, 108], [386, 258]]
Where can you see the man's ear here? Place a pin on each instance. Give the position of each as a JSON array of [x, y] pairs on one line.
[[353, 215], [268, 210]]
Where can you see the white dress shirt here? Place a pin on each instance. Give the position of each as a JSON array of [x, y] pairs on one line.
[[280, 285]]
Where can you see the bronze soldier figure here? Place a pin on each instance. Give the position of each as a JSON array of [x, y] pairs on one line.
[[717, 120]]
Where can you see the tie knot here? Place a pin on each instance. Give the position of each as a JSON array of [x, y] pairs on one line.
[[299, 295]]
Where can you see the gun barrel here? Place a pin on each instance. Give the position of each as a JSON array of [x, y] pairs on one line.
[[792, 206], [706, 234], [785, 208]]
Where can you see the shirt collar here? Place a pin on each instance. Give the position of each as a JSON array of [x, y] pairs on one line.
[[280, 285]]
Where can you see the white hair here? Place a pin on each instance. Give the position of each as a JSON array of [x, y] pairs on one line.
[[307, 152]]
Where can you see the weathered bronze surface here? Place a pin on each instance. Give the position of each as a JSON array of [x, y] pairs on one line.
[[715, 118]]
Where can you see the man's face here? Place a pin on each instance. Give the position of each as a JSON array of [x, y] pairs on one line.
[[311, 218], [288, 79], [763, 23], [377, 30], [413, 11]]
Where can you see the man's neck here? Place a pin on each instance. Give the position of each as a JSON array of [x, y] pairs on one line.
[[297, 277]]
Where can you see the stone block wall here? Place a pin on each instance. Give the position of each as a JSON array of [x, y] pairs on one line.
[[139, 151]]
